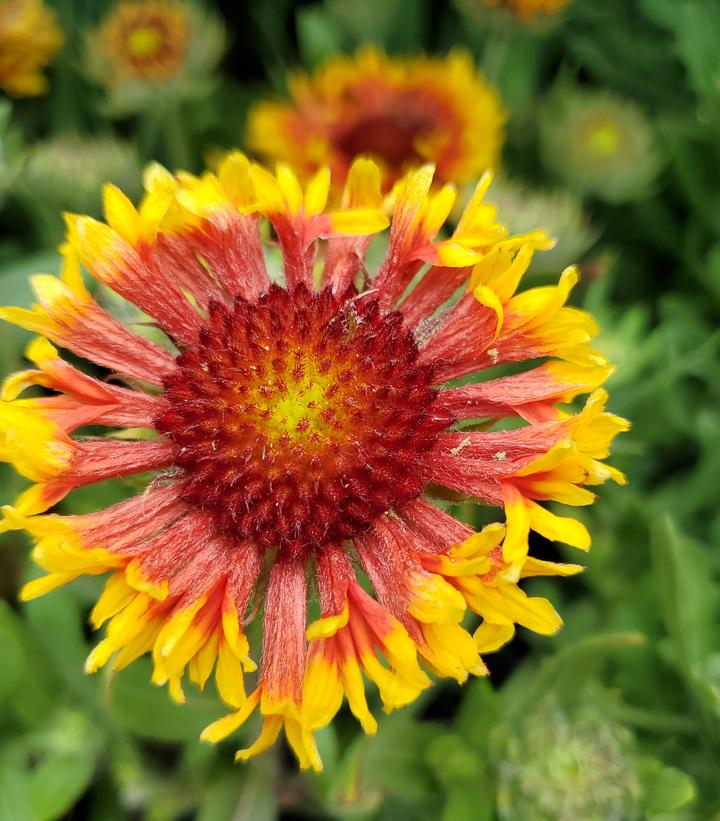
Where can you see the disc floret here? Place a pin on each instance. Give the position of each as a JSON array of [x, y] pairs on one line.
[[301, 418]]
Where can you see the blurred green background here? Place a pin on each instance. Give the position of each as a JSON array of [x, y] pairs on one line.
[[618, 716]]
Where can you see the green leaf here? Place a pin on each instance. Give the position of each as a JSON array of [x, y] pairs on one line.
[[479, 712], [463, 773], [318, 37], [146, 710], [692, 160], [329, 749], [566, 670], [106, 804], [697, 29], [690, 603], [11, 484], [666, 789], [14, 795], [58, 624], [688, 595], [220, 797], [28, 682], [15, 288], [391, 764], [54, 766], [243, 794], [517, 72], [615, 44], [663, 12], [13, 658], [57, 783], [469, 801], [453, 760], [709, 273], [90, 498], [395, 25], [257, 800], [15, 275]]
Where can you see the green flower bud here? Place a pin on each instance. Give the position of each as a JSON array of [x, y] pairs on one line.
[[599, 145], [67, 173], [556, 212], [562, 766]]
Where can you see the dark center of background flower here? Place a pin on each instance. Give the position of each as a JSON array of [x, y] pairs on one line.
[[389, 137], [301, 418]]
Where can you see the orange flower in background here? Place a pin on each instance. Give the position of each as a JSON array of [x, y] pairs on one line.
[[29, 39], [145, 39], [297, 432], [529, 9], [401, 112]]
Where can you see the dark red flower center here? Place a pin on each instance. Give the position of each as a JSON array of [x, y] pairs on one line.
[[390, 138], [300, 418]]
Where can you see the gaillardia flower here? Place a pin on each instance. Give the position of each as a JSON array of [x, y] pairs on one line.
[[146, 40], [146, 48], [401, 112], [29, 39], [300, 432]]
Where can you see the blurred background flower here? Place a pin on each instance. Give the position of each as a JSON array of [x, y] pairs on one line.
[[145, 41], [555, 211], [515, 16], [29, 39], [564, 765], [402, 112], [599, 144], [152, 53], [527, 9], [573, 758]]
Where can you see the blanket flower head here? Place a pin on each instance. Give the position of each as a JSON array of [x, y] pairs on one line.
[[402, 112], [29, 39], [301, 431], [145, 52], [146, 40]]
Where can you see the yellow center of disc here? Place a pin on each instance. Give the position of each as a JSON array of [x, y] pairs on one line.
[[144, 42], [603, 139], [295, 403]]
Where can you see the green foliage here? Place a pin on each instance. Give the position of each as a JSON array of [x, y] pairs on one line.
[[616, 717], [148, 712]]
